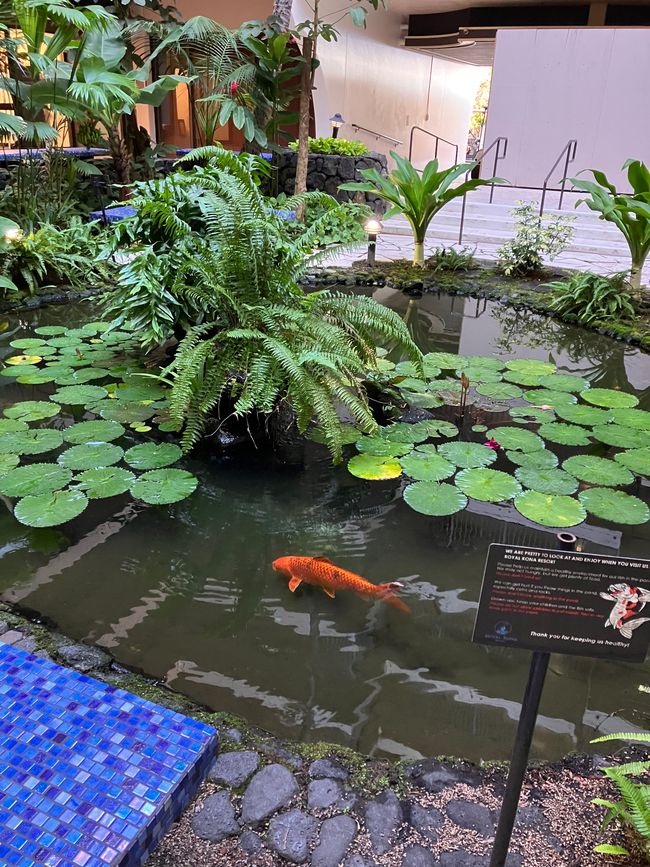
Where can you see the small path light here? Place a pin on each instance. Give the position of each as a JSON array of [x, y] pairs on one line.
[[337, 122], [14, 233], [373, 227]]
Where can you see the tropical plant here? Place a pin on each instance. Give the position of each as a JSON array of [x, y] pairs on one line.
[[282, 11], [535, 238], [419, 197], [343, 226], [589, 297], [629, 213], [632, 811], [451, 259], [339, 146]]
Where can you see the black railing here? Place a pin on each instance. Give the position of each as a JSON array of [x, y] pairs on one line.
[[569, 153], [438, 139], [500, 148], [377, 135]]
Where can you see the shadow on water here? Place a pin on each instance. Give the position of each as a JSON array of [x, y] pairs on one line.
[[187, 593]]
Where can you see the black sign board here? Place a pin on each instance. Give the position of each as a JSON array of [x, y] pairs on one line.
[[565, 602]]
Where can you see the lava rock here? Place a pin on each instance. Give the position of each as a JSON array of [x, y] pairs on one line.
[[250, 842], [327, 768], [418, 856], [234, 768], [270, 789], [216, 819], [473, 817], [359, 861], [290, 835], [384, 815], [322, 794], [426, 820], [336, 837], [28, 643], [4, 627], [82, 657]]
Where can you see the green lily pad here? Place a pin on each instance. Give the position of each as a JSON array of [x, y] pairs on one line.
[[422, 400], [159, 487], [32, 410], [381, 447], [403, 433], [27, 343], [105, 482], [532, 414], [522, 378], [64, 341], [442, 386], [636, 418], [480, 374], [50, 330], [484, 361], [16, 370], [584, 415], [39, 377], [30, 442], [57, 368], [597, 471], [435, 428], [564, 382], [531, 366], [79, 394], [621, 437], [637, 460], [467, 455], [616, 506], [479, 428], [92, 432], [7, 463], [48, 510], [88, 456], [117, 410], [547, 397], [565, 434], [152, 456], [427, 467], [374, 467], [12, 425], [445, 360], [549, 481], [488, 486], [98, 326], [499, 390], [609, 398], [516, 439], [550, 510], [431, 498], [410, 383], [141, 391], [34, 479], [540, 460], [384, 364], [82, 376]]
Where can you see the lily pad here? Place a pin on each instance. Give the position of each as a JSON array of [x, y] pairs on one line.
[[549, 481], [636, 418], [60, 342], [11, 425], [23, 360], [520, 377], [431, 498], [19, 370], [621, 437], [27, 343], [488, 405], [531, 366], [50, 330], [7, 463], [480, 374], [88, 456], [549, 398], [615, 506], [637, 460], [373, 467], [445, 360], [467, 455], [479, 428], [152, 456], [39, 377], [565, 434], [403, 433], [48, 510], [159, 487], [564, 382], [141, 391], [499, 390], [550, 510], [532, 414], [436, 428], [381, 447], [410, 383], [32, 410], [34, 479], [540, 460], [105, 482], [584, 415], [488, 486], [608, 397], [427, 467], [516, 439], [79, 394], [422, 400], [93, 432], [30, 442], [117, 410], [84, 375], [484, 361], [597, 471]]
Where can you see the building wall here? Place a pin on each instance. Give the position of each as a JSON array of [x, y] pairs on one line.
[[549, 86], [226, 12]]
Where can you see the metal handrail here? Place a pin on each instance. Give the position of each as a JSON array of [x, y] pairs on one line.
[[376, 134], [500, 147], [570, 149], [438, 139]]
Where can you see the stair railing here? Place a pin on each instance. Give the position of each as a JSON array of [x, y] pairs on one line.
[[569, 153], [500, 148], [377, 135], [438, 139]]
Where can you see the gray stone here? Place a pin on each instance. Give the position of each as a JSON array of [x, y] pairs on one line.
[[437, 781], [465, 859], [336, 837], [347, 169], [474, 817], [276, 751], [426, 820], [82, 657], [327, 768], [384, 815], [234, 768], [29, 644], [270, 789], [233, 735], [250, 842], [359, 861], [4, 627], [12, 637], [418, 856], [291, 834], [322, 794], [216, 819]]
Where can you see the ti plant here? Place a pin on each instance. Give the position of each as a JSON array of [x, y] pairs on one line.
[[629, 213], [419, 197], [633, 809]]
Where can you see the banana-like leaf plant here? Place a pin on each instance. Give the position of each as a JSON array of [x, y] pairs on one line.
[[629, 213], [419, 197]]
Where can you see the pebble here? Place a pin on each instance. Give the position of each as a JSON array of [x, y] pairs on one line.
[[336, 837], [250, 842], [234, 768], [322, 794], [4, 627], [383, 817], [426, 820], [82, 657], [270, 789], [12, 637], [418, 856], [29, 644], [290, 835], [216, 819], [359, 861], [328, 768], [473, 817]]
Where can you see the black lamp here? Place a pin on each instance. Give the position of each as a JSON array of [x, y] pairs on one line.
[[337, 122], [373, 227]]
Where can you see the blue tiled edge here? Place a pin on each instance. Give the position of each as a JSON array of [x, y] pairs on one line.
[[90, 775]]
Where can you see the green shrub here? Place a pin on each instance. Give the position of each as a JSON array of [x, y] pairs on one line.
[[589, 297], [535, 238], [343, 226], [339, 146], [450, 259]]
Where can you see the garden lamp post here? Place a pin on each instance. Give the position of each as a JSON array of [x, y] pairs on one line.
[[337, 122], [373, 227]]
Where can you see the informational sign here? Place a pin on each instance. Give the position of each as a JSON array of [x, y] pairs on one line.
[[565, 602]]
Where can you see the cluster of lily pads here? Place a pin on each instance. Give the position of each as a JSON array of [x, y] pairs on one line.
[[93, 386], [610, 436]]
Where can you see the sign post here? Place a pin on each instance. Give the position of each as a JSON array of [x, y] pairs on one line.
[[557, 601]]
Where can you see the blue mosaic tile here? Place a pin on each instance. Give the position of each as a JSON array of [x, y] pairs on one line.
[[90, 775]]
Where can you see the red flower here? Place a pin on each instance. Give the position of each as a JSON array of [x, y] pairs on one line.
[[492, 444], [234, 88]]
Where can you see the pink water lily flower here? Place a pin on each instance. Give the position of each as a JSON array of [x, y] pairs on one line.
[[492, 444]]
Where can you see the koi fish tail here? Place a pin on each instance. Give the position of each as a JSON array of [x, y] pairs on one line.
[[388, 593], [628, 628]]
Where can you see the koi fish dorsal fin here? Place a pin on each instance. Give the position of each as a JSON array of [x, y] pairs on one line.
[[323, 560]]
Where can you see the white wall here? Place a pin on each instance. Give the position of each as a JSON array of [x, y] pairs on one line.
[[549, 86], [372, 81]]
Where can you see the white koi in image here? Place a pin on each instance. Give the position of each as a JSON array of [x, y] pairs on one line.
[[628, 602]]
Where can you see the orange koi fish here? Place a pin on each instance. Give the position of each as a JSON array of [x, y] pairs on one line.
[[322, 573]]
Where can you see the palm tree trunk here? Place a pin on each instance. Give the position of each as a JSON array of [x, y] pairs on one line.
[[121, 160], [302, 160], [282, 11]]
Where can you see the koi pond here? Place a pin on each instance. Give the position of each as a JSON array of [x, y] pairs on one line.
[[186, 592]]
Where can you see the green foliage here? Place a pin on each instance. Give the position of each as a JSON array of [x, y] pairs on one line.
[[339, 146], [451, 259], [342, 226], [589, 297], [535, 238], [418, 196]]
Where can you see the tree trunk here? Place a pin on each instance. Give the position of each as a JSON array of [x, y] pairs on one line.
[[635, 276], [282, 10], [418, 254], [302, 160], [121, 161]]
